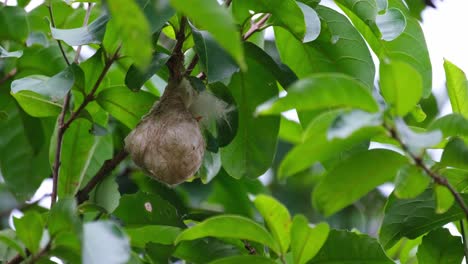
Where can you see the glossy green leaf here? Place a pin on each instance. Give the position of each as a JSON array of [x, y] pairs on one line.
[[277, 219], [364, 171], [126, 106], [230, 226], [339, 48], [92, 33], [104, 242], [401, 86], [348, 247], [104, 151], [410, 182], [210, 167], [417, 142], [409, 47], [455, 154], [32, 61], [317, 148], [321, 91], [29, 229], [23, 165], [147, 209], [290, 131], [63, 218], [157, 13], [6, 54], [348, 123], [252, 150], [312, 22], [136, 78], [209, 18], [391, 24], [13, 23], [106, 194], [440, 247], [37, 105], [457, 88], [444, 198], [284, 13], [135, 32], [202, 251], [451, 125], [414, 217], [416, 7], [78, 147], [215, 61], [244, 259], [165, 235], [307, 241]]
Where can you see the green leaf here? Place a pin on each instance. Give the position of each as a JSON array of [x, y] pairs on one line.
[[312, 22], [409, 46], [9, 239], [290, 131], [306, 241], [106, 194], [29, 229], [401, 86], [450, 125], [92, 33], [455, 154], [440, 247], [135, 32], [210, 167], [284, 13], [339, 48], [230, 226], [215, 61], [6, 54], [277, 219], [126, 106], [410, 182], [78, 147], [136, 77], [147, 209], [37, 105], [321, 91], [414, 217], [417, 142], [104, 242], [202, 251], [347, 124], [32, 61], [244, 259], [348, 247], [364, 171], [208, 18], [444, 198], [23, 164], [165, 235], [13, 23], [63, 217], [457, 88], [252, 150], [317, 148]]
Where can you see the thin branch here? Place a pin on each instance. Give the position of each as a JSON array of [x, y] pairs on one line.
[[439, 179], [256, 27], [85, 22], [176, 61], [252, 250], [16, 260], [463, 233], [52, 21], [90, 97], [192, 64], [8, 76], [107, 167]]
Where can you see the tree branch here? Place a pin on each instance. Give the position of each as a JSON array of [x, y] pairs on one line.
[[52, 21], [106, 168], [439, 179]]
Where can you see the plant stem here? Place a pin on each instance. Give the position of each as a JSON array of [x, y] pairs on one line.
[[439, 179], [463, 233], [52, 21], [85, 22], [107, 167], [256, 26]]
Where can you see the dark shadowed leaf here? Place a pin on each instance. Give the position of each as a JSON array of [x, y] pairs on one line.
[[440, 247], [455, 154], [136, 77], [348, 247], [244, 260]]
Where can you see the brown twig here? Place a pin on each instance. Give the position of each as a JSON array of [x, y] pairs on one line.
[[52, 21], [8, 76], [85, 22], [252, 250], [256, 26], [106, 168], [439, 179]]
